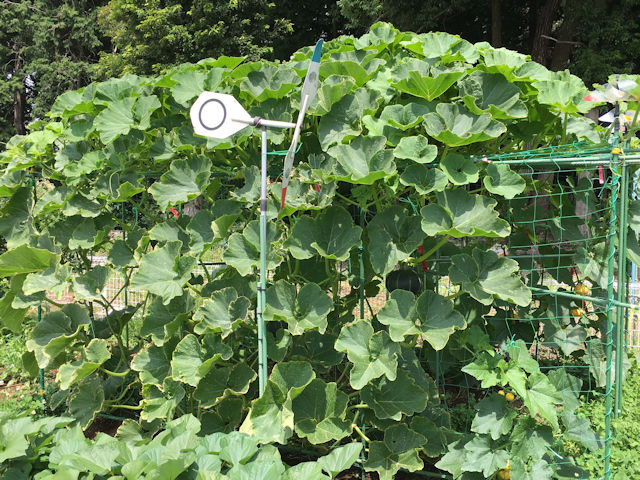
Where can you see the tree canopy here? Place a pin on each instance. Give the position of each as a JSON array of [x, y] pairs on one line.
[[47, 47]]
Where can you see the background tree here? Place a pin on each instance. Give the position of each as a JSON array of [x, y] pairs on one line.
[[151, 36], [46, 48]]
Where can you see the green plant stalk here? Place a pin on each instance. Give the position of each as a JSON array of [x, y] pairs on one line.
[[431, 251], [622, 269]]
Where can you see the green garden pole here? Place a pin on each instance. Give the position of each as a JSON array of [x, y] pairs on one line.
[[262, 285], [41, 371], [609, 323], [622, 269]]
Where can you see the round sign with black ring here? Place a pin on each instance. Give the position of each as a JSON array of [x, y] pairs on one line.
[[214, 108]]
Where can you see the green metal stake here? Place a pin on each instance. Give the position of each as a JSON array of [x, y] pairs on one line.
[[361, 257], [42, 369], [610, 313], [622, 264], [262, 285]]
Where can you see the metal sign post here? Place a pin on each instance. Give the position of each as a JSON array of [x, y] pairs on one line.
[[220, 115]]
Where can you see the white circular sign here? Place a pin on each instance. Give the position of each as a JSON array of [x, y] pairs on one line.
[[218, 115]]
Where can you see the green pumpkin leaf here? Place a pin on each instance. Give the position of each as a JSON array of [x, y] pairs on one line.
[[399, 439], [414, 79], [568, 338], [222, 382], [485, 275], [494, 417], [330, 91], [185, 180], [424, 179], [271, 417], [504, 61], [115, 120], [86, 402], [406, 116], [237, 448], [161, 403], [583, 129], [340, 458], [454, 125], [579, 429], [251, 191], [15, 218], [303, 310], [460, 170], [435, 435], [243, 251], [164, 272], [330, 235], [530, 439], [90, 285], [431, 316], [56, 332], [92, 357], [416, 148], [221, 313], [483, 368], [319, 413], [392, 399], [387, 463], [372, 355], [343, 122], [484, 92], [25, 259], [462, 214], [153, 364], [501, 180], [393, 236], [188, 85], [377, 127], [482, 456], [455, 458], [441, 46], [539, 470], [270, 81], [190, 362], [363, 161], [542, 397], [564, 92], [12, 317], [162, 321]]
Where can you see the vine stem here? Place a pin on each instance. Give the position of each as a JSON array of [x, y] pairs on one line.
[[431, 251], [115, 374], [126, 407], [348, 200], [359, 432]]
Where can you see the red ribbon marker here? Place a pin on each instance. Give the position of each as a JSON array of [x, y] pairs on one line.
[[424, 262]]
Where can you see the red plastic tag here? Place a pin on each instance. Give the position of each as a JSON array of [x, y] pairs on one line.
[[424, 262]]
